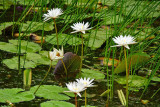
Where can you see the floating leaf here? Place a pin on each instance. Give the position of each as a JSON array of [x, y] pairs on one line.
[[72, 40], [157, 79], [26, 46], [50, 92], [96, 38], [35, 26], [5, 25], [56, 104], [134, 60], [8, 47], [134, 80], [93, 74], [72, 63], [15, 95], [13, 63]]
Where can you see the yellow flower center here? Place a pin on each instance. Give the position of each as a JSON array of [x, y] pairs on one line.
[[57, 54], [75, 89]]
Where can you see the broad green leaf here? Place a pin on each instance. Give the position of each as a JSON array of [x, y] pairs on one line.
[[39, 59], [63, 39], [157, 79], [134, 80], [26, 46], [31, 2], [5, 25], [35, 26], [135, 60], [8, 47], [96, 38], [15, 95], [93, 74], [53, 103], [13, 63], [50, 92], [5, 4]]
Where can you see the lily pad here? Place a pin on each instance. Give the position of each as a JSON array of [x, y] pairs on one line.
[[157, 79], [96, 38], [15, 95], [63, 39], [56, 104], [134, 81], [50, 92], [93, 74], [135, 60], [26, 46], [13, 63], [35, 26]]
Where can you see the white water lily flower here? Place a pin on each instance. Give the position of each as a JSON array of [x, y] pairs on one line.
[[87, 82], [52, 14], [80, 27], [56, 54], [124, 41], [75, 87]]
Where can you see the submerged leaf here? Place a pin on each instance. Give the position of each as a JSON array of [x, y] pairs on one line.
[[72, 64], [15, 95], [134, 60]]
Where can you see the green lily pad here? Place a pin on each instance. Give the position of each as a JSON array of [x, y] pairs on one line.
[[5, 4], [63, 39], [15, 95], [50, 92], [56, 104], [96, 38], [135, 60], [35, 26], [157, 79], [8, 47], [26, 46], [134, 81], [5, 25], [13, 63], [93, 74]]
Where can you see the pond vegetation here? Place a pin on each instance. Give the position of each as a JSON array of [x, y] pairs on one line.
[[79, 53]]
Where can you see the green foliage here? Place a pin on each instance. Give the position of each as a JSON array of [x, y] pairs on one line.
[[13, 63], [157, 79], [50, 92], [4, 25], [56, 104], [96, 38], [27, 78], [35, 26], [93, 74], [134, 81], [26, 46], [134, 60], [64, 38], [15, 95]]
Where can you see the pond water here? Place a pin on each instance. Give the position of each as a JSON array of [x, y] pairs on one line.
[[106, 65]]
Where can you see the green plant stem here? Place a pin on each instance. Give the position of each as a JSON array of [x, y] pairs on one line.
[[75, 99], [81, 52], [44, 77], [56, 32], [64, 67], [126, 77], [85, 98]]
